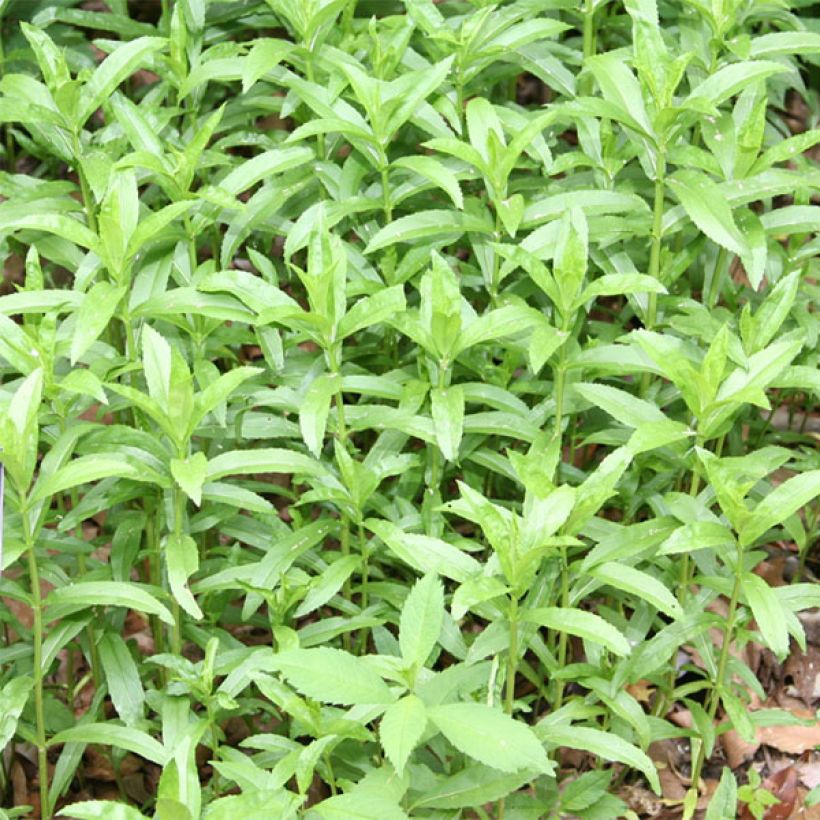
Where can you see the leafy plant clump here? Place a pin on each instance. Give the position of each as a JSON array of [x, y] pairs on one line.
[[404, 404]]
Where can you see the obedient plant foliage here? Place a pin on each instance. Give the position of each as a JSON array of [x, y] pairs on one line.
[[409, 418]]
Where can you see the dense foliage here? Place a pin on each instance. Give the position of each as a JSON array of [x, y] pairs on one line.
[[398, 399]]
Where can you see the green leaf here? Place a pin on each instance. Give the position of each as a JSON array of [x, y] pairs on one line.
[[123, 62], [785, 500], [620, 86], [426, 225], [268, 460], [708, 209], [732, 79], [583, 624], [447, 404], [768, 613], [724, 801], [103, 809], [491, 737], [401, 728], [190, 475], [372, 311], [474, 785], [111, 734], [425, 553], [182, 559], [332, 676], [606, 745], [150, 226], [63, 226], [422, 618], [122, 677], [631, 580], [93, 316], [314, 410], [218, 392], [88, 594], [498, 323], [13, 698], [82, 470], [435, 171], [356, 806], [623, 406]]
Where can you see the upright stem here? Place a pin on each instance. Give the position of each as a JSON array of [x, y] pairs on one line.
[[512, 656], [562, 636], [179, 513], [717, 689], [85, 189], [589, 43], [309, 70], [388, 205], [39, 710], [496, 261], [657, 236], [347, 18], [683, 586], [717, 278], [559, 380]]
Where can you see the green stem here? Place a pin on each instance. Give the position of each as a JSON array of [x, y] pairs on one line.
[[657, 236], [562, 636], [494, 285], [717, 279], [85, 188], [179, 514], [347, 18], [388, 205], [152, 530], [512, 656], [192, 249], [559, 374], [684, 580], [39, 710], [310, 72], [728, 630], [589, 44]]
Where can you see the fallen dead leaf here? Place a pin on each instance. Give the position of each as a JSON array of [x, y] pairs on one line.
[[791, 739], [737, 750], [783, 785], [804, 671], [642, 691], [809, 773]]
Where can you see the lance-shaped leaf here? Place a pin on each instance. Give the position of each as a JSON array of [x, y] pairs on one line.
[[113, 70], [586, 625], [491, 737], [401, 728], [785, 500], [88, 594], [447, 404], [642, 584], [707, 207], [332, 676], [182, 560], [314, 409], [422, 618], [427, 225]]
